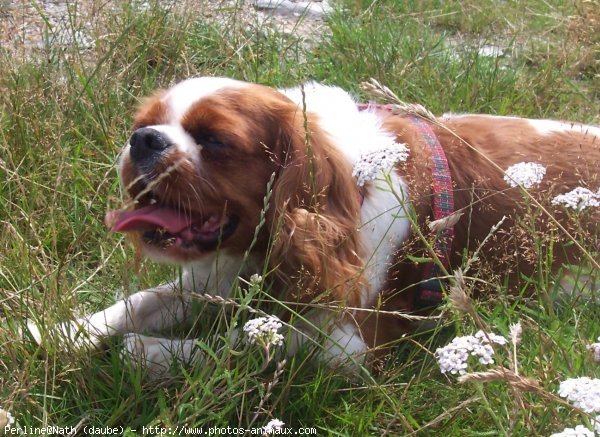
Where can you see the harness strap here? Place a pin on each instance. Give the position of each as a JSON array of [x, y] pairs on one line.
[[430, 291]]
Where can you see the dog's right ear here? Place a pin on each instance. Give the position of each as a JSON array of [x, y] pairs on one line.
[[151, 111], [315, 215]]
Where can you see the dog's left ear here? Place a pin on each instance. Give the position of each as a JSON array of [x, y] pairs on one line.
[[315, 215]]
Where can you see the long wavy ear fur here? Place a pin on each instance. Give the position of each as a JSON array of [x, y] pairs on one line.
[[315, 216]]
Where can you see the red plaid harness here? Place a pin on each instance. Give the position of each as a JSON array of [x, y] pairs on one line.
[[430, 291]]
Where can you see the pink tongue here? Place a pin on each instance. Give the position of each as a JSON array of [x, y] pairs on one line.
[[149, 217]]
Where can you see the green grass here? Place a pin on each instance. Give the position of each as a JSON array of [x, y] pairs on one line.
[[66, 114]]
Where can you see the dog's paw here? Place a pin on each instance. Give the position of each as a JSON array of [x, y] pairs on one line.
[[156, 356], [149, 353], [72, 334], [32, 331]]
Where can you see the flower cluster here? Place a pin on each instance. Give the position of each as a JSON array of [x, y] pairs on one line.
[[583, 392], [525, 174], [595, 348], [263, 331], [371, 164], [273, 426], [255, 280], [453, 357], [578, 431], [579, 199]]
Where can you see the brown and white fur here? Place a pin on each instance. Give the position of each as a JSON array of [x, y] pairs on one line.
[[208, 148]]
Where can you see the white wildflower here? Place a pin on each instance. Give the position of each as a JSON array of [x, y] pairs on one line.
[[596, 424], [583, 392], [263, 331], [273, 426], [6, 419], [595, 348], [491, 337], [525, 174], [453, 357], [371, 164], [579, 199], [515, 333], [578, 431], [255, 279]]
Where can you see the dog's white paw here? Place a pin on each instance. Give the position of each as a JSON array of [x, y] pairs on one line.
[[158, 355], [72, 334], [149, 353], [33, 331]]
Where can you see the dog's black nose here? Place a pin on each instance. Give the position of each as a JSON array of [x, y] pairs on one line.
[[147, 145]]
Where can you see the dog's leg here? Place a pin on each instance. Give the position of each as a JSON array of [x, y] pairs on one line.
[[156, 355], [342, 345], [148, 310]]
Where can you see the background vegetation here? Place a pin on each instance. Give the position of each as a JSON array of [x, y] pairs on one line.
[[66, 112]]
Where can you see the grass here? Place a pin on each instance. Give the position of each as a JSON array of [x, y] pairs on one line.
[[67, 112]]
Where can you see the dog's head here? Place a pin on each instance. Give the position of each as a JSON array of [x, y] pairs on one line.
[[203, 157]]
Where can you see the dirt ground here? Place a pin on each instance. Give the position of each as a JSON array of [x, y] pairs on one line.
[[27, 26]]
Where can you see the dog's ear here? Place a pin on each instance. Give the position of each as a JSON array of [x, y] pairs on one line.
[[315, 215], [151, 110]]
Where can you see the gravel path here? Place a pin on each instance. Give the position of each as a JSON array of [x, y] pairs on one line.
[[25, 27]]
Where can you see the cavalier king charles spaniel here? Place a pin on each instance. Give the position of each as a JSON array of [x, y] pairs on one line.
[[229, 179]]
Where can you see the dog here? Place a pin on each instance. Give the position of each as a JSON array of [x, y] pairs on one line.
[[230, 179]]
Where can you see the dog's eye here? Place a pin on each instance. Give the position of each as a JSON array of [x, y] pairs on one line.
[[209, 141]]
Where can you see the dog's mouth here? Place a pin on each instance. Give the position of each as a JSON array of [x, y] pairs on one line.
[[169, 228]]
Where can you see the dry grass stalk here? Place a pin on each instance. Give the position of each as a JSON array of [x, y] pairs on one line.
[[473, 258], [154, 182], [218, 300], [448, 413], [505, 375], [380, 91], [269, 389], [446, 222], [458, 296]]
